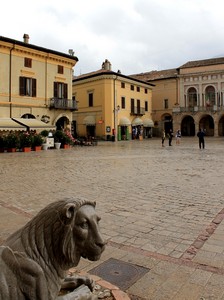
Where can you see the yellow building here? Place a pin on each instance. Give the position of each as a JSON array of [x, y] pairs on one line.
[[112, 106], [164, 97], [35, 86]]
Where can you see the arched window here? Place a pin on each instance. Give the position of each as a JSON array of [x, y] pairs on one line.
[[192, 97], [210, 96]]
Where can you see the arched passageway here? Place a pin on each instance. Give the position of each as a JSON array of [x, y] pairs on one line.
[[188, 126]]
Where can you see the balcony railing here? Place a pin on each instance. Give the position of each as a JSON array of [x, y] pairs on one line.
[[58, 103], [137, 111], [195, 109]]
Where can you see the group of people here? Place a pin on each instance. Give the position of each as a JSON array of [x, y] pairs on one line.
[[200, 135], [170, 137]]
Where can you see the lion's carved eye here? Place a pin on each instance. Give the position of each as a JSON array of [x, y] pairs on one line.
[[84, 225]]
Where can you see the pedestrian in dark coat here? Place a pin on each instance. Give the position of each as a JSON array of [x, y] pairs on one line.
[[201, 138]]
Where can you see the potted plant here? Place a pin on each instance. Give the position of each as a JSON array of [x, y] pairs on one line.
[[58, 138], [37, 142], [2, 143], [44, 133], [12, 142], [26, 141]]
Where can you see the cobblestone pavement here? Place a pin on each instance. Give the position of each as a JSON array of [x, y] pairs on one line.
[[161, 208]]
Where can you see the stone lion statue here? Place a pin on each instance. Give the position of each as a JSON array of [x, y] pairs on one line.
[[35, 259]]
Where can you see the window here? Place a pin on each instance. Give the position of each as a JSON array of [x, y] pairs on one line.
[[146, 91], [138, 106], [192, 97], [27, 62], [132, 87], [146, 105], [60, 69], [138, 88], [210, 95], [132, 105], [122, 102], [90, 99], [60, 90], [123, 85], [27, 86], [166, 104]]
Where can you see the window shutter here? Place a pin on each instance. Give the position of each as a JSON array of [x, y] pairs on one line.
[[55, 90], [34, 85], [21, 86], [65, 91]]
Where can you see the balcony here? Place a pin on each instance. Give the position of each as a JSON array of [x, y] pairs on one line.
[[196, 109], [137, 111], [65, 104]]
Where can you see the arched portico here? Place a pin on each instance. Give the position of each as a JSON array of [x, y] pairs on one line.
[[188, 126], [206, 123]]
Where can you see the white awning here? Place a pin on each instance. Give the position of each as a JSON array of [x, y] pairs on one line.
[[148, 123], [9, 124], [137, 122], [89, 121], [34, 124], [124, 121]]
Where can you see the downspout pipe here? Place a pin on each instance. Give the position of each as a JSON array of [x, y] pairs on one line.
[[115, 112], [10, 81]]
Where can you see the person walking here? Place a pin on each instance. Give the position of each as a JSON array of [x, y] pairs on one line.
[[201, 139], [163, 136], [178, 137], [170, 136]]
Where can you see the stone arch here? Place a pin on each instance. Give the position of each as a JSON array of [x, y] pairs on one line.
[[188, 126], [167, 121], [62, 121], [28, 116], [192, 97], [221, 126], [207, 123], [210, 95]]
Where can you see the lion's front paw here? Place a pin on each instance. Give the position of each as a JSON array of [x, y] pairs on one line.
[[73, 282]]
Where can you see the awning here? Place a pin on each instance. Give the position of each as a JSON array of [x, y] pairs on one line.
[[9, 124], [124, 121], [148, 123], [137, 122], [89, 121], [34, 124]]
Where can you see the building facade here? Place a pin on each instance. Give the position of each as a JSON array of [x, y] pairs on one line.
[[35, 83], [189, 97], [112, 105]]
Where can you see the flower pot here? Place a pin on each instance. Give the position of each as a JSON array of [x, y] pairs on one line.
[[37, 148], [26, 149], [11, 150], [57, 145], [45, 146], [66, 146]]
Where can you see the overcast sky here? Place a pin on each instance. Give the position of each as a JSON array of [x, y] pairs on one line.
[[134, 35]]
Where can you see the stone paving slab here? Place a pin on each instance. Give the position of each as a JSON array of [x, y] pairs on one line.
[[161, 208]]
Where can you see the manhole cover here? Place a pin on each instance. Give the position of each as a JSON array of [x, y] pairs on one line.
[[119, 273]]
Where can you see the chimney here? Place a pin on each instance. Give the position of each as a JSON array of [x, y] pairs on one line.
[[26, 38], [106, 65]]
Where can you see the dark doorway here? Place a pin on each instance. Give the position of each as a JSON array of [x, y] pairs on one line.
[[188, 126]]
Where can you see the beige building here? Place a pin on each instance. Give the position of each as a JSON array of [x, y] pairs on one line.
[[189, 97], [112, 106], [35, 86]]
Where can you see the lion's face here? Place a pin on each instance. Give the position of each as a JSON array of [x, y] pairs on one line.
[[89, 242]]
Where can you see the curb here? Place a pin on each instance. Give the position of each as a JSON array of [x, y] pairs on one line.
[[116, 293]]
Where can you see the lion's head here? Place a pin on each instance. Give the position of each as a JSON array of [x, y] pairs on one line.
[[63, 232]]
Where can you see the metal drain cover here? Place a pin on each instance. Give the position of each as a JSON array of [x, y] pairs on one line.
[[119, 273]]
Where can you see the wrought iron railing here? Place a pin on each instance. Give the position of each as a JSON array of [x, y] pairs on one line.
[[59, 103], [137, 111], [195, 109]]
